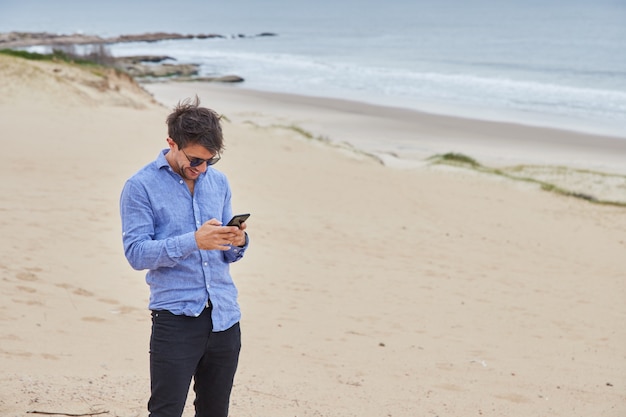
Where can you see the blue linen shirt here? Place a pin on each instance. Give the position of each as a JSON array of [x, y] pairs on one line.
[[159, 219]]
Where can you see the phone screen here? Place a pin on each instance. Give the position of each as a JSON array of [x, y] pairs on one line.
[[238, 219]]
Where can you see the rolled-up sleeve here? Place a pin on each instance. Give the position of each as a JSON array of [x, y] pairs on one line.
[[235, 253]]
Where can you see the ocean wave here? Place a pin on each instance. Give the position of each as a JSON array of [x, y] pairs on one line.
[[304, 74]]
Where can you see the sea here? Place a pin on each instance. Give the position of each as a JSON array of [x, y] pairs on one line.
[[557, 63]]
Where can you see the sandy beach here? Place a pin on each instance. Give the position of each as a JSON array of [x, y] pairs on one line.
[[368, 289], [407, 134]]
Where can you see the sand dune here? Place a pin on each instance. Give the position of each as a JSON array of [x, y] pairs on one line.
[[366, 291]]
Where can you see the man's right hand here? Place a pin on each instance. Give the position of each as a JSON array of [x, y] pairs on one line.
[[212, 236]]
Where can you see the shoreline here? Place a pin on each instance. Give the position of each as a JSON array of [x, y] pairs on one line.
[[190, 72], [411, 136]]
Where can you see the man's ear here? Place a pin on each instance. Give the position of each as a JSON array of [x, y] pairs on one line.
[[171, 143]]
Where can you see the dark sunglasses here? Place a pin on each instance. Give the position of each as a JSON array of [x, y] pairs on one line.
[[194, 162]]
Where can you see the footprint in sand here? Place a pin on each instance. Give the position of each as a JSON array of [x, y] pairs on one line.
[[26, 276], [22, 354], [93, 319], [50, 356], [108, 301], [83, 292], [126, 309], [77, 291], [27, 302]]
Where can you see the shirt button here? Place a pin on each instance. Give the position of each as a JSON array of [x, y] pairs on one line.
[[206, 263], [181, 181]]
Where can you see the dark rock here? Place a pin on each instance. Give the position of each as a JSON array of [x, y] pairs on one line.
[[162, 70], [211, 35], [148, 37], [229, 79], [219, 79], [137, 59]]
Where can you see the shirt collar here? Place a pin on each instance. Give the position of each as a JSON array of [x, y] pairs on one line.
[[161, 161]]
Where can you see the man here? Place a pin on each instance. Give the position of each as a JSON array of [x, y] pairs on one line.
[[172, 214]]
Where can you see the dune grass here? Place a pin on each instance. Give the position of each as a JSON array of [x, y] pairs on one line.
[[55, 56], [534, 174], [344, 146], [546, 177]]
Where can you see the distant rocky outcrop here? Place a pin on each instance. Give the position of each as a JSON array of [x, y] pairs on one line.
[[144, 67], [22, 39], [154, 66]]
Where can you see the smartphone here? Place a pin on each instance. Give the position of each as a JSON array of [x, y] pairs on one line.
[[238, 219]]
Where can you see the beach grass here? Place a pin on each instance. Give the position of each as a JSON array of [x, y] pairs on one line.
[[56, 55], [346, 146], [98, 62], [593, 186], [325, 140]]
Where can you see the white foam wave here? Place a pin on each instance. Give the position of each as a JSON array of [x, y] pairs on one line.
[[314, 76]]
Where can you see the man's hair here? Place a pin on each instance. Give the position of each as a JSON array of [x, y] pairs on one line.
[[191, 124]]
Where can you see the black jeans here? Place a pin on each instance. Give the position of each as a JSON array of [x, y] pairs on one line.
[[183, 347]]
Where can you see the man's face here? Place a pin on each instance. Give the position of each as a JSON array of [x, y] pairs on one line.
[[190, 161]]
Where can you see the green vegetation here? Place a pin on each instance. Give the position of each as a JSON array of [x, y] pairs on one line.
[[56, 55], [325, 140], [302, 132], [322, 139], [533, 174], [26, 55], [455, 159], [97, 61], [98, 56], [546, 177]]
